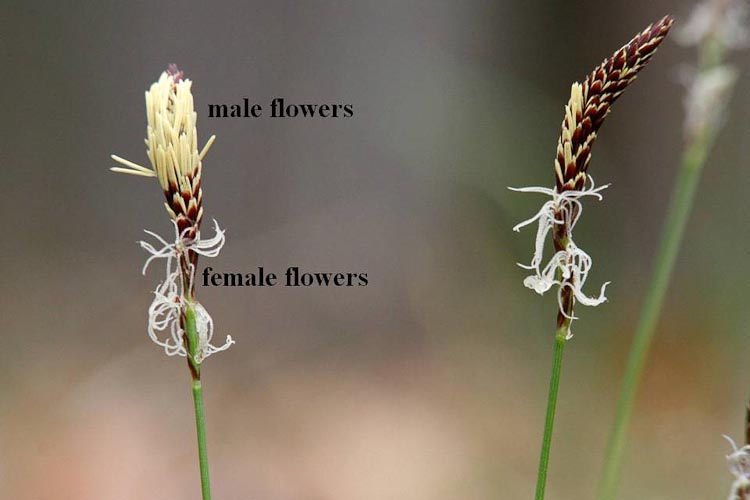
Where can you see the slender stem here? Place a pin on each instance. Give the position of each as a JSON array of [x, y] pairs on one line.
[[682, 200], [200, 410], [549, 421], [200, 425]]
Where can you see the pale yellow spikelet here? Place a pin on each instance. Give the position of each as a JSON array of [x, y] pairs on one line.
[[172, 149]]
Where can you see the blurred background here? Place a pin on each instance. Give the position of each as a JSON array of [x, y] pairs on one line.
[[431, 382]]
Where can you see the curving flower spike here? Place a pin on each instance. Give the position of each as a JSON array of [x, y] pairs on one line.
[[589, 104], [591, 100]]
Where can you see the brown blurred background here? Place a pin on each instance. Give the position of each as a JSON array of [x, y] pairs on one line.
[[429, 383]]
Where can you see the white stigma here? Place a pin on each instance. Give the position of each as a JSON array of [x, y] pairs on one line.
[[569, 267], [169, 297]]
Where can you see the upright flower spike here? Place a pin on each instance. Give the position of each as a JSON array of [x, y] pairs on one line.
[[176, 320], [589, 104], [172, 148]]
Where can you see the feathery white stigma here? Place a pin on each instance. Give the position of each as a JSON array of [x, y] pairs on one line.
[[170, 296], [570, 266]]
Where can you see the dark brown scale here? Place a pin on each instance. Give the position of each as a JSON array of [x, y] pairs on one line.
[[619, 63], [596, 117], [582, 158], [587, 126], [182, 223], [577, 135], [192, 212]]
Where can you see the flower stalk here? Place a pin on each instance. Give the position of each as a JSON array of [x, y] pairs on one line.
[[549, 419], [589, 104], [191, 334]]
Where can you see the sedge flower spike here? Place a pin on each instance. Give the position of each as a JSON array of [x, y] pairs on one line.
[[589, 104], [176, 162]]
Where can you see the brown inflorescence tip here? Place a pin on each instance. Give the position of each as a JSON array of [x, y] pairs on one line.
[[175, 73], [590, 103]]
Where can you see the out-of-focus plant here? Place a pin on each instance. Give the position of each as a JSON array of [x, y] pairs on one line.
[[568, 268], [714, 27]]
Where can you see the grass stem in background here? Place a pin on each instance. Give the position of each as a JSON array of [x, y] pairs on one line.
[[706, 101], [682, 201]]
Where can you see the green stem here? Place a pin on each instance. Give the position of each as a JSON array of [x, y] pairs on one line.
[[549, 421], [200, 410], [711, 55], [200, 425], [682, 200]]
